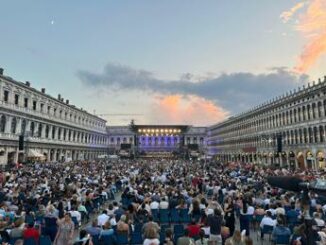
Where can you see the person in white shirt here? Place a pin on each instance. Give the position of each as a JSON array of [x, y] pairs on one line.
[[102, 218], [164, 204], [320, 222], [267, 220], [75, 213], [154, 205], [279, 210], [251, 210]]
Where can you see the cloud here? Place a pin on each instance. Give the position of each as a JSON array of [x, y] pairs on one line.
[[313, 26], [287, 15], [234, 92], [189, 109]]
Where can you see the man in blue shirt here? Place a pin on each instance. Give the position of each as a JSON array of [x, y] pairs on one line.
[[280, 230]]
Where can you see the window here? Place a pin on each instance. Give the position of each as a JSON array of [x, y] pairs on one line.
[[2, 123], [26, 102], [49, 109], [6, 95], [16, 99], [42, 107], [34, 105]]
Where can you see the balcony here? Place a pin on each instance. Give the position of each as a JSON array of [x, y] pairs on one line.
[[15, 137], [49, 117]]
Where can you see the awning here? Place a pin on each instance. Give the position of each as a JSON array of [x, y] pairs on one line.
[[35, 154], [102, 156]]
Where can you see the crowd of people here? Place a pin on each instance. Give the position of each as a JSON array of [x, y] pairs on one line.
[[156, 201]]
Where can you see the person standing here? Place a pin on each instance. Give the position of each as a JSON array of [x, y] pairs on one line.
[[65, 232], [229, 215], [215, 222]]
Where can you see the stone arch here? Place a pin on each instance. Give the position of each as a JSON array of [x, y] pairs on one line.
[[309, 159], [320, 159], [301, 160]]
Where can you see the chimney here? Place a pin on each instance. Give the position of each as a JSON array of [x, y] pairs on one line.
[[1, 71], [43, 90], [27, 83], [67, 102], [62, 99], [59, 96]]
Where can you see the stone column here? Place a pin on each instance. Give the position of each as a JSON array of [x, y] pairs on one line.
[[19, 126], [8, 124], [36, 129], [50, 131], [43, 131]]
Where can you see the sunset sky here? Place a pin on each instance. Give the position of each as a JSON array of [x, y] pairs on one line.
[[172, 61]]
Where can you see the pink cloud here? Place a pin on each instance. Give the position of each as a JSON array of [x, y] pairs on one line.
[[190, 109], [312, 25]]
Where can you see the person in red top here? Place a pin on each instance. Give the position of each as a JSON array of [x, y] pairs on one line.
[[31, 232], [193, 229]]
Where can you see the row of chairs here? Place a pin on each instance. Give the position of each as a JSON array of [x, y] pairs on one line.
[[173, 216], [279, 239], [44, 240], [136, 236]]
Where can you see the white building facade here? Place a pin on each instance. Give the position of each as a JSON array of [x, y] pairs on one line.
[[157, 137], [286, 131], [45, 126]]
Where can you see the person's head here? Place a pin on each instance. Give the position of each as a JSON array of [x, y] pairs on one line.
[[248, 241], [82, 234], [110, 206], [280, 221], [123, 218], [107, 225], [217, 212], [67, 217], [104, 212], [150, 218], [30, 225], [269, 214], [201, 233], [168, 233], [94, 223], [236, 236]]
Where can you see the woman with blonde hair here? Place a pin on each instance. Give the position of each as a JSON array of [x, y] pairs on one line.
[[151, 237], [236, 239]]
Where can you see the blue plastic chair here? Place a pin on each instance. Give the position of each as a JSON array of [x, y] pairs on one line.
[[76, 223], [282, 240], [162, 237], [108, 240], [178, 229], [96, 240], [267, 229], [30, 241], [164, 216], [122, 238], [155, 215], [184, 216], [175, 217], [136, 238], [45, 240], [13, 240]]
